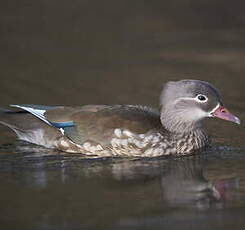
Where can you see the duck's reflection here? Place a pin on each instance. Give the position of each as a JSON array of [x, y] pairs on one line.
[[184, 184], [181, 181]]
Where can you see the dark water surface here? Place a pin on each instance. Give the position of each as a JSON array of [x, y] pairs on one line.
[[40, 190], [121, 52]]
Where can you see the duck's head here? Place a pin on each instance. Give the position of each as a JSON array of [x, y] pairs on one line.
[[187, 102]]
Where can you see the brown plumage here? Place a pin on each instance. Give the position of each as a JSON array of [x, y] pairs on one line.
[[124, 130]]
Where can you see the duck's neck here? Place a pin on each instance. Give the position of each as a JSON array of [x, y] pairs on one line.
[[186, 134], [177, 124], [191, 141]]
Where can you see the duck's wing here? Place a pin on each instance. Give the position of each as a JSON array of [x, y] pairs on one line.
[[100, 123], [96, 123]]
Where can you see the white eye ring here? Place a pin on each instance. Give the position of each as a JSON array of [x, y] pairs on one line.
[[201, 98]]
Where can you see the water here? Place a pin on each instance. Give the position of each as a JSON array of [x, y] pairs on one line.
[[90, 52], [40, 190]]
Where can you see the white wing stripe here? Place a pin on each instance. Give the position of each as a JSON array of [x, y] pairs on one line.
[[36, 112]]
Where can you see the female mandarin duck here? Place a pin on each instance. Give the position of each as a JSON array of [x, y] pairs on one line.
[[124, 130]]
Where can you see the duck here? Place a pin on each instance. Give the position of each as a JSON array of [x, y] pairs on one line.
[[124, 130]]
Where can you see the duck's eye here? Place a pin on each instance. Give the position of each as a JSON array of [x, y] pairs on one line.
[[201, 98]]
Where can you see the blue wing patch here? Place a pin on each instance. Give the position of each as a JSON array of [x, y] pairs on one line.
[[61, 125]]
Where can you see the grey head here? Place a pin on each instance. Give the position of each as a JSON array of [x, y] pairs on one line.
[[185, 103]]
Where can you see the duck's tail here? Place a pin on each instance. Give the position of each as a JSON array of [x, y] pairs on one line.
[[29, 128]]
